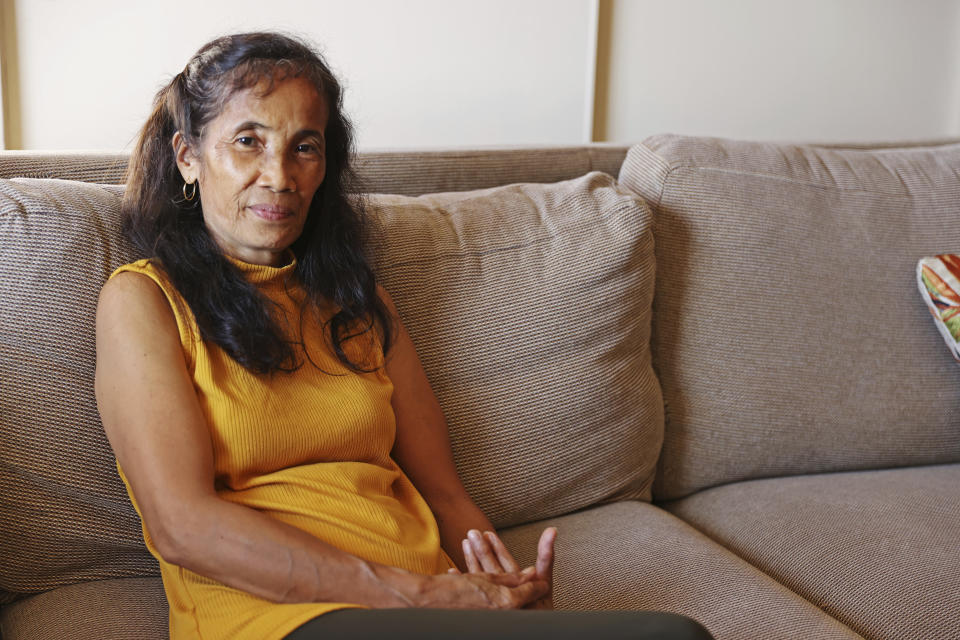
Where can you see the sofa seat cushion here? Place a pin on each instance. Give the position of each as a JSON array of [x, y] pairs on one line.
[[878, 550], [118, 609], [787, 333], [529, 305], [633, 555]]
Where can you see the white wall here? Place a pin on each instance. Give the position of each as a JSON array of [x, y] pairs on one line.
[[419, 72], [424, 73], [776, 69], [955, 103]]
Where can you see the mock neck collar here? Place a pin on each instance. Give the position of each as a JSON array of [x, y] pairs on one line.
[[260, 274]]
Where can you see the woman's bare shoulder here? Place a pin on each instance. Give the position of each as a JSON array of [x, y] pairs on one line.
[[127, 285], [133, 303]]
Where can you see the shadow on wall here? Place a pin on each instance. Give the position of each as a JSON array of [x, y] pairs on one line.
[[10, 123]]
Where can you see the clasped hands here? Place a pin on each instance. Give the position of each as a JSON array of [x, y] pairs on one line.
[[485, 553]]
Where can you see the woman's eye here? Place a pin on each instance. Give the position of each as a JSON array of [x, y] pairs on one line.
[[246, 141], [306, 148]]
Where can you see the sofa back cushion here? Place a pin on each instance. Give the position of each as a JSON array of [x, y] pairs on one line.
[[787, 332], [64, 514], [529, 307]]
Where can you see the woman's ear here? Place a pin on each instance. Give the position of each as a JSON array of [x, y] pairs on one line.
[[187, 160]]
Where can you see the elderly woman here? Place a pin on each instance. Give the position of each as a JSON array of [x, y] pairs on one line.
[[270, 418]]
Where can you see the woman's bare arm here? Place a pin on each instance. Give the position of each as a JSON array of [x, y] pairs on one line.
[[422, 449], [422, 446], [154, 422]]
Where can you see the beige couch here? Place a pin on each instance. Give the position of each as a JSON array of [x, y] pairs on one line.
[[711, 371]]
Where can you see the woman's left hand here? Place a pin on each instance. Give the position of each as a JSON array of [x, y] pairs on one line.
[[486, 553]]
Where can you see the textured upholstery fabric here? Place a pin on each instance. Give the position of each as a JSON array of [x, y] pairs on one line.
[[118, 609], [632, 555], [529, 306], [878, 550], [64, 514], [403, 172], [416, 173], [102, 168], [786, 330]]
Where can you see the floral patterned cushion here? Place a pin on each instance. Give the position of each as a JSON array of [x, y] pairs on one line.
[[939, 281]]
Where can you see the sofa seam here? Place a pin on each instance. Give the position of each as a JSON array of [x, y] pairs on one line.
[[745, 560], [615, 213]]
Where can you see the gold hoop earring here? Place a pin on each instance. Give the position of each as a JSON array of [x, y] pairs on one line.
[[193, 192]]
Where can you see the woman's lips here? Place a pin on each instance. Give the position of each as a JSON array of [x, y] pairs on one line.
[[271, 212]]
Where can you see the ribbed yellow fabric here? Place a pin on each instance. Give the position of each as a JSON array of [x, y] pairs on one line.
[[310, 448]]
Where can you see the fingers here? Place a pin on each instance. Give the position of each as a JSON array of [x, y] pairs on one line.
[[513, 579], [473, 565], [485, 591], [516, 590], [490, 552], [530, 592], [545, 554], [503, 554], [486, 553]]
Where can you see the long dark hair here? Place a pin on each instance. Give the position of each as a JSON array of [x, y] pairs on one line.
[[331, 267]]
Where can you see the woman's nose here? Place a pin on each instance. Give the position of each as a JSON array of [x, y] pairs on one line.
[[276, 173]]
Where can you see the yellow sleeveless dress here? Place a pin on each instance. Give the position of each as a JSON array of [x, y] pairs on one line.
[[310, 448]]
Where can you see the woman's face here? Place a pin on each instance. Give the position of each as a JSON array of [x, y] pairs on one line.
[[258, 166]]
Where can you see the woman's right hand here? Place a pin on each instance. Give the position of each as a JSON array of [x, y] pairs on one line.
[[486, 553], [513, 590]]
